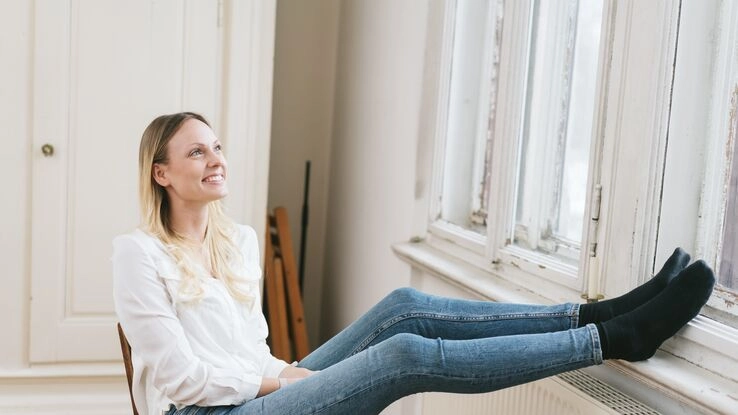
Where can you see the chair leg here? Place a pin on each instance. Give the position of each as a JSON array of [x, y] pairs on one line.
[[125, 349]]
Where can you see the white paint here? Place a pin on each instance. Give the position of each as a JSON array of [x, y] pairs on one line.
[[78, 83], [15, 117], [685, 160], [627, 159], [370, 205], [304, 77], [85, 76], [65, 396], [244, 115], [548, 396], [634, 136]]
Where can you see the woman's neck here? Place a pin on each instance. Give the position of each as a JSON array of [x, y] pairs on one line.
[[190, 222]]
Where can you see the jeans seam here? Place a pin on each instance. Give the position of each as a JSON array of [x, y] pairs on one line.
[[388, 378], [574, 312], [498, 317], [596, 345]]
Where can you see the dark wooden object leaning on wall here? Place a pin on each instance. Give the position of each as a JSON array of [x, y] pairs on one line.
[[283, 301]]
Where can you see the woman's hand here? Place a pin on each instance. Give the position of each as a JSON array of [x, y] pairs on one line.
[[292, 372], [288, 376]]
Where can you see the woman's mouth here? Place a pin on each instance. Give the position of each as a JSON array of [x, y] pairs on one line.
[[216, 178]]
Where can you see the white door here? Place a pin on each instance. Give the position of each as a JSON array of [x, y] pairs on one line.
[[102, 70]]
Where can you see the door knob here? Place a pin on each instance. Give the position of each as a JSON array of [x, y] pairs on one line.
[[48, 150]]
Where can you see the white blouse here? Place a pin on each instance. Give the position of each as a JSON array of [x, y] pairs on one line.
[[210, 352]]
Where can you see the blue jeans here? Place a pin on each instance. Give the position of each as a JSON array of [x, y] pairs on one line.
[[413, 342]]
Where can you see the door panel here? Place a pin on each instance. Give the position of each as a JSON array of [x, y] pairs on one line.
[[102, 69]]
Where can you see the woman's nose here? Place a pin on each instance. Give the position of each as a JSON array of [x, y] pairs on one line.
[[215, 159]]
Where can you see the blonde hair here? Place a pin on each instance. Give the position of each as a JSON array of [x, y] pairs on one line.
[[225, 257]]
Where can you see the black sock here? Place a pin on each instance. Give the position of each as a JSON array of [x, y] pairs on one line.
[[605, 310], [638, 334]]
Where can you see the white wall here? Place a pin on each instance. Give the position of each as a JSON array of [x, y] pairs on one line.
[[372, 173], [347, 90], [302, 114]]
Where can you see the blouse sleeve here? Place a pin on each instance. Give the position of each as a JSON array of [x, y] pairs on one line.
[[148, 318], [270, 366]]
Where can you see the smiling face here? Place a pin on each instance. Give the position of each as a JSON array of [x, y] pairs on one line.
[[195, 171]]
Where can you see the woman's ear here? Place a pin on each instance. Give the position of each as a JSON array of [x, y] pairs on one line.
[[160, 174]]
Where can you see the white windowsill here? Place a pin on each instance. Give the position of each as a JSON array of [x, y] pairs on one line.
[[663, 377]]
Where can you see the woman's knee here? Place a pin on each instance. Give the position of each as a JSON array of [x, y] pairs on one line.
[[403, 295], [405, 349], [404, 343]]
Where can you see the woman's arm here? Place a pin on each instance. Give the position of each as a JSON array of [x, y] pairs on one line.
[[156, 335], [268, 385], [293, 372], [289, 375]]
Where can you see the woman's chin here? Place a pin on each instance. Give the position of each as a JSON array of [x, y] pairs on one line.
[[220, 195], [214, 196], [216, 192]]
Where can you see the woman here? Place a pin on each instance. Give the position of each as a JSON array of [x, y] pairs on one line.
[[187, 296]]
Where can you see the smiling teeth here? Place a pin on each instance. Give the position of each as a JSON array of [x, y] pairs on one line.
[[216, 178]]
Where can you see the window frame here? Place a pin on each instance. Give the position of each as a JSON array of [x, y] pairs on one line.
[[701, 221], [628, 160], [465, 237], [514, 99]]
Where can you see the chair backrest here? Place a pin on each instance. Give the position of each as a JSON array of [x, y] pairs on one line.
[[125, 348]]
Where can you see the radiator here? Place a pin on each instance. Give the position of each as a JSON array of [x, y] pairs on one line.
[[572, 393]]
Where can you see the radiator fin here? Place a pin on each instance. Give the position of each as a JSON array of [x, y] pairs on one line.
[[572, 393], [606, 394]]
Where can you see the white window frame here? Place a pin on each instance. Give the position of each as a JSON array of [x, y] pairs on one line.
[[513, 96], [552, 86], [467, 238], [700, 150], [628, 161], [510, 112]]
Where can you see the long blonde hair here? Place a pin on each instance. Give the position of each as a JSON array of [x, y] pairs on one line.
[[225, 258]]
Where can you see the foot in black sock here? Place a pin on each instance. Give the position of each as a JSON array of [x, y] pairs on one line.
[[605, 310], [638, 334]]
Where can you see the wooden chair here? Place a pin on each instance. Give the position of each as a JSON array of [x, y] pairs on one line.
[[125, 348], [282, 291]]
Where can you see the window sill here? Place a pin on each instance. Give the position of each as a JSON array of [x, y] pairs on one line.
[[665, 377]]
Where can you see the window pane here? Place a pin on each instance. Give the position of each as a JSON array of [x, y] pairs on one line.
[[722, 306], [471, 96], [728, 275], [559, 112]]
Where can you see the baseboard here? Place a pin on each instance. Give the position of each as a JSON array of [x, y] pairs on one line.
[[61, 396]]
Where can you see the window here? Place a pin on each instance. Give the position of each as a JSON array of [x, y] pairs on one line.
[[557, 127], [729, 253], [727, 288], [699, 209], [582, 141], [469, 121], [543, 145]]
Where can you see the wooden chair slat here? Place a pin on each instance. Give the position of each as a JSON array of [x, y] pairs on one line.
[[125, 349], [294, 297]]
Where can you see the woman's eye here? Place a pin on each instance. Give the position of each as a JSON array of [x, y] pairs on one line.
[[218, 147], [195, 152]]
